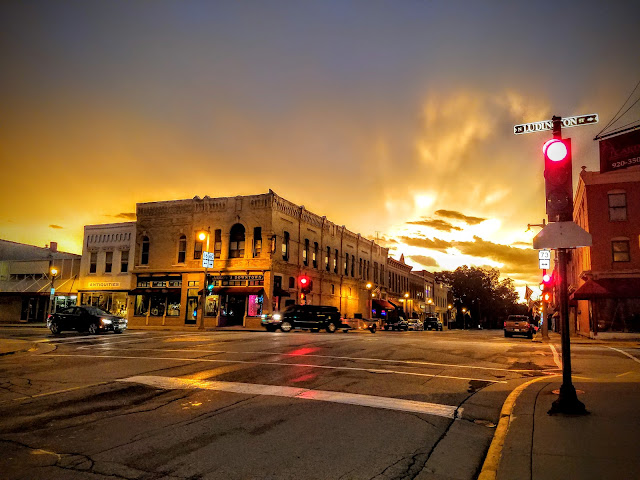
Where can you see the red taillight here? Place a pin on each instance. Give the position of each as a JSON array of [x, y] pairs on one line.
[[49, 317], [505, 325]]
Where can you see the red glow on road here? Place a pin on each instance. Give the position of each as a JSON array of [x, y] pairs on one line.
[[303, 351]]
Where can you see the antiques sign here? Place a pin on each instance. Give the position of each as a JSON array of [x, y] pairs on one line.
[[620, 152]]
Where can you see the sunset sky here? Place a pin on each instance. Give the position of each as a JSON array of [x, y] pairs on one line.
[[394, 118]]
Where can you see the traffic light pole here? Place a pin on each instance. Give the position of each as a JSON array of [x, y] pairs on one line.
[[567, 401]]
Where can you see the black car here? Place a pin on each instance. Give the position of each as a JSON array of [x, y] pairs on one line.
[[313, 317], [85, 319], [432, 323]]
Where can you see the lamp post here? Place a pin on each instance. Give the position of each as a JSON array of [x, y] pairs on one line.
[[449, 307], [53, 272], [464, 318], [406, 304], [205, 262], [369, 301]]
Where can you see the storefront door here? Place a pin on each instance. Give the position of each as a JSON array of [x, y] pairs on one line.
[[192, 311], [234, 311]]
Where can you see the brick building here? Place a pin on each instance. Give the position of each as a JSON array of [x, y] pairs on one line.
[[604, 279]]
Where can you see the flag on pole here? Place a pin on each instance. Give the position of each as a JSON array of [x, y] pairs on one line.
[[527, 293]]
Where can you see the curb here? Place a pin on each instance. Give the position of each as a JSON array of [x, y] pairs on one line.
[[494, 454]]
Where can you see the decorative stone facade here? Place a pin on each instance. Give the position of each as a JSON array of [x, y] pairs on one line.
[[262, 244]]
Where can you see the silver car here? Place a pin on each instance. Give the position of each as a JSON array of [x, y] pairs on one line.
[[415, 324]]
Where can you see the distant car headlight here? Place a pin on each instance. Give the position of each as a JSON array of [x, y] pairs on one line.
[[277, 316], [106, 321]]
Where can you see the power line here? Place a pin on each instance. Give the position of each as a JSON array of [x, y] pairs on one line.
[[615, 117]]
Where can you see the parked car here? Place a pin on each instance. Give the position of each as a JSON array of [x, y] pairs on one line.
[[432, 323], [518, 325], [313, 317], [396, 321], [85, 319], [415, 324]]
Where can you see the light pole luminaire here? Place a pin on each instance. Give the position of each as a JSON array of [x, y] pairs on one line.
[[201, 237], [53, 272]]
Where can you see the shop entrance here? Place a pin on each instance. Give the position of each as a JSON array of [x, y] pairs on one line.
[[234, 309]]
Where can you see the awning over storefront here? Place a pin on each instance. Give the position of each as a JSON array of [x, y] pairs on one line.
[[608, 288], [254, 290], [383, 304], [278, 292], [142, 291]]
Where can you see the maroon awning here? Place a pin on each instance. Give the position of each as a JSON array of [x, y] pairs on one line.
[[608, 288], [383, 304]]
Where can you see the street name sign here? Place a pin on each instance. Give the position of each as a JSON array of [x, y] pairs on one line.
[[567, 122], [207, 259]]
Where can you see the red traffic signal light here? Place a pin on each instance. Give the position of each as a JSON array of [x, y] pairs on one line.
[[305, 284], [558, 179], [546, 278]]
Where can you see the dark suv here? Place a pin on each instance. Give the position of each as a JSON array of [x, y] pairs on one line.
[[314, 317], [432, 323]]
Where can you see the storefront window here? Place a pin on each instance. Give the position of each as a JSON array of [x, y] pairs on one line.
[[255, 305], [158, 304], [173, 305], [119, 304], [211, 306], [142, 305]]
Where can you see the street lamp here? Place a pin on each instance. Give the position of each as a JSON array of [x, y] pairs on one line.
[[464, 318], [205, 262], [369, 301], [53, 272]]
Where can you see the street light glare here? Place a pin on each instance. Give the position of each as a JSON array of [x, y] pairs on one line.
[[202, 236]]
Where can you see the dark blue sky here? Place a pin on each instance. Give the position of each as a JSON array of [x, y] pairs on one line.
[[394, 108]]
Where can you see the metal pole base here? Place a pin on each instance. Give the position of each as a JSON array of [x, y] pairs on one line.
[[568, 402]]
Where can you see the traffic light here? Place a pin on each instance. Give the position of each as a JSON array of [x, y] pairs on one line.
[[558, 179], [547, 287], [209, 284], [306, 284]]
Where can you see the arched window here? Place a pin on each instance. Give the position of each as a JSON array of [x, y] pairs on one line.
[[182, 249], [144, 252], [236, 241], [315, 255], [285, 246], [305, 252]]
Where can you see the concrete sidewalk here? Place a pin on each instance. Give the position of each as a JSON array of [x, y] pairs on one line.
[[600, 445]]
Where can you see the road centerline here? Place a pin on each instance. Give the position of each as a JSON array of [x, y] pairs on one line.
[[328, 367]]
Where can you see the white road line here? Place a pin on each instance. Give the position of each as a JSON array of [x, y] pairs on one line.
[[335, 357], [625, 353], [210, 360], [556, 357], [399, 404]]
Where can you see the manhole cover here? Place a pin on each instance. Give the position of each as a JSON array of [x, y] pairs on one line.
[[557, 391]]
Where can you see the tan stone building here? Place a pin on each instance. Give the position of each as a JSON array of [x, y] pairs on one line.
[[106, 276], [261, 245]]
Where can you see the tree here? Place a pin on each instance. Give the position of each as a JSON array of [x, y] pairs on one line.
[[487, 299]]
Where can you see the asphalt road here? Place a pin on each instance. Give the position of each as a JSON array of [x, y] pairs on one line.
[[245, 405]]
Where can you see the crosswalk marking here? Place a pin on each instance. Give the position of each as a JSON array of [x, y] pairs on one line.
[[399, 404]]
